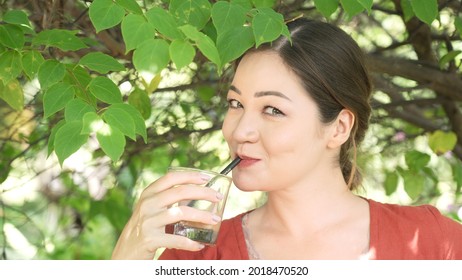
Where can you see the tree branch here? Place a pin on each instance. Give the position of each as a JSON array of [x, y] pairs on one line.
[[448, 85]]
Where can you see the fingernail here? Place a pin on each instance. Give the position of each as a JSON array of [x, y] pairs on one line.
[[220, 196], [200, 246], [216, 218], [205, 178]]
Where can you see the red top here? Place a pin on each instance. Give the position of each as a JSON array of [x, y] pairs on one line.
[[396, 232]]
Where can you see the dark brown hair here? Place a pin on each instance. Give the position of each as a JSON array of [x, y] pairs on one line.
[[332, 69]]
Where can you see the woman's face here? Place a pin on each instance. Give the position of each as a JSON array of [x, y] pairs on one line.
[[273, 125]]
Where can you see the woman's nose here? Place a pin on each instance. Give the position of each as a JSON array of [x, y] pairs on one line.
[[246, 129]]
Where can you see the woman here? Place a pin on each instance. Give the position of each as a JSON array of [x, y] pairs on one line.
[[297, 112]]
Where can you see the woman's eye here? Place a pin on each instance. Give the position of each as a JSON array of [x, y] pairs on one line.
[[234, 104], [272, 111]]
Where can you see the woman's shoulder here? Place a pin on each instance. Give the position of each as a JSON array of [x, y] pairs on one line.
[[412, 215], [404, 212], [415, 232]]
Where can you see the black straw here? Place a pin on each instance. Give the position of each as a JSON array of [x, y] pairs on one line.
[[231, 166]]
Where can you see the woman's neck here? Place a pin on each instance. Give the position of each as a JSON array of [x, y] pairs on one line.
[[311, 220], [308, 205]]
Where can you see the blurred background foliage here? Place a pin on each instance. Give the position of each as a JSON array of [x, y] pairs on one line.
[[74, 206]]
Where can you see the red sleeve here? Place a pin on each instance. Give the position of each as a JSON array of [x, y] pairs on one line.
[[451, 232], [413, 233]]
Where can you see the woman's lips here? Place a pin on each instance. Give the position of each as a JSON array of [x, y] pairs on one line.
[[247, 161]]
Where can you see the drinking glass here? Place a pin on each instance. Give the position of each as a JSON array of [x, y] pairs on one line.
[[204, 233]]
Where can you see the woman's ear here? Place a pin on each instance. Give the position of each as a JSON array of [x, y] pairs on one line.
[[341, 128]]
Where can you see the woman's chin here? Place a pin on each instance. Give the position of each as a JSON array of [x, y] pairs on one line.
[[248, 185]]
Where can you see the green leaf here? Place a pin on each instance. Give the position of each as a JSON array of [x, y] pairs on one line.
[[367, 4], [430, 174], [130, 5], [17, 17], [119, 118], [65, 40], [204, 43], [205, 93], [457, 175], [208, 48], [413, 184], [416, 160], [267, 26], [191, 32], [31, 62], [408, 12], [140, 126], [210, 31], [153, 84], [105, 90], [68, 140], [101, 63], [193, 12], [182, 53], [56, 98], [425, 10], [441, 142], [352, 7], [391, 183], [12, 94], [105, 14], [51, 139], [50, 72], [140, 100], [326, 7], [11, 36], [136, 30], [6, 168], [152, 56], [10, 65], [112, 141], [92, 122], [447, 58], [246, 4], [226, 16], [164, 22], [263, 3], [228, 51], [458, 24], [76, 109], [77, 75]]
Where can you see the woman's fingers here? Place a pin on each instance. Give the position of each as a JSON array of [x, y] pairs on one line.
[[145, 231], [150, 204], [172, 179], [150, 231], [174, 215]]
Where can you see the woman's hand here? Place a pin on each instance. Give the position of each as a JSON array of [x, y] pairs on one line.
[[145, 231]]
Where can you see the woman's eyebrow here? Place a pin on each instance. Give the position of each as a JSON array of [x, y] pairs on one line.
[[235, 89], [262, 93], [271, 92]]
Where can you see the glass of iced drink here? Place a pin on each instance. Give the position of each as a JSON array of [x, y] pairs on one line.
[[204, 233]]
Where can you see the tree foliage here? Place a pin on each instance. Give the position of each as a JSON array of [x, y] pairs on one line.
[[98, 97]]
